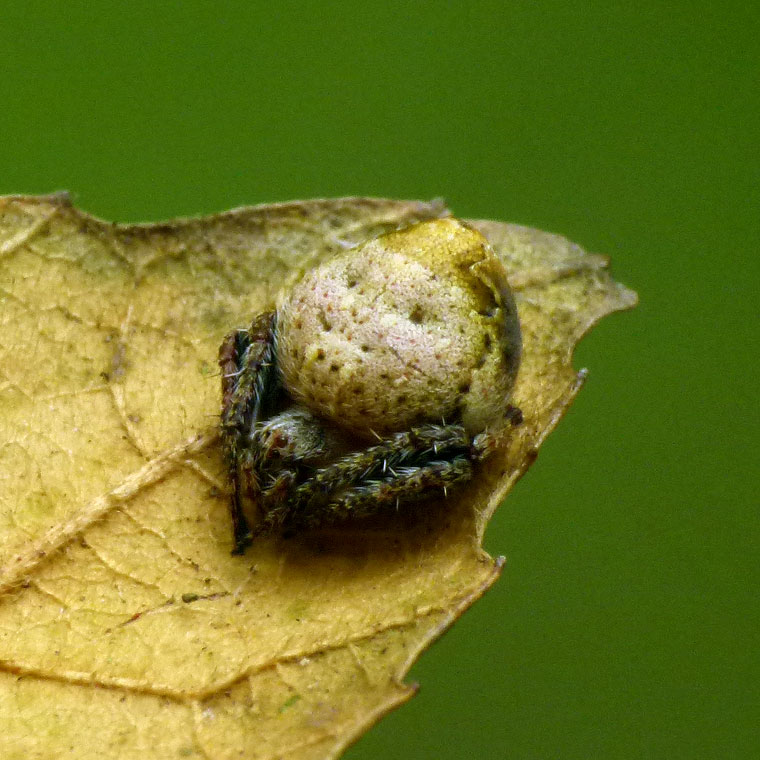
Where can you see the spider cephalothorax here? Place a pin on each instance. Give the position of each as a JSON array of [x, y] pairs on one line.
[[382, 377]]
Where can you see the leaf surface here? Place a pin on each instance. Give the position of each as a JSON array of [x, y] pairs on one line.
[[127, 630]]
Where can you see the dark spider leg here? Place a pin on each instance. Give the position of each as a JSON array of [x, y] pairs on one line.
[[233, 348], [394, 459], [378, 496], [249, 387], [420, 462], [429, 442]]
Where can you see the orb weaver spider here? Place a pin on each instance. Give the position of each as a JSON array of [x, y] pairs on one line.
[[382, 378]]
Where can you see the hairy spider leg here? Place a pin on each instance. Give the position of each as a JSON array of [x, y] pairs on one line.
[[399, 469], [409, 484], [249, 390], [233, 348]]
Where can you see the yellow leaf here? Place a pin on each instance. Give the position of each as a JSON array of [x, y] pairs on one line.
[[127, 630]]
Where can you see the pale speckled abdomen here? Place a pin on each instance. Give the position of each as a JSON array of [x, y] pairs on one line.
[[416, 325]]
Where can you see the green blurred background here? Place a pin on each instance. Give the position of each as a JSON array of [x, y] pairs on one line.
[[626, 623]]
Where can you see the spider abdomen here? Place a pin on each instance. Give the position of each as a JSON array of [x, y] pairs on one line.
[[413, 326]]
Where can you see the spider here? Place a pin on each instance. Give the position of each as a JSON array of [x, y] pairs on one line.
[[382, 378]]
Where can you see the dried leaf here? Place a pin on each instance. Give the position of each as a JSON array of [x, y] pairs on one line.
[[126, 628]]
